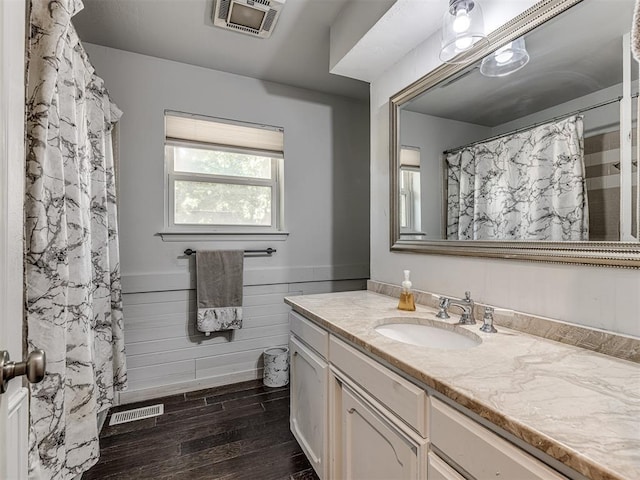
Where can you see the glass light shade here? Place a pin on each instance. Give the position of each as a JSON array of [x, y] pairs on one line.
[[505, 60], [462, 28]]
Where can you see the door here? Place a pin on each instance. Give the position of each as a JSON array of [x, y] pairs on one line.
[[13, 403], [369, 447], [309, 376]]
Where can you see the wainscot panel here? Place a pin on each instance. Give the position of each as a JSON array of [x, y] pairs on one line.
[[165, 353]]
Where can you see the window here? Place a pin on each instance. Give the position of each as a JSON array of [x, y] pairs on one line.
[[410, 202], [222, 176]]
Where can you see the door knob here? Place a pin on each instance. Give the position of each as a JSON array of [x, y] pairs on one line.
[[33, 368]]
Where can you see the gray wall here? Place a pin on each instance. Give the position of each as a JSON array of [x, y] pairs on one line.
[[434, 135], [598, 297], [598, 120], [326, 212]]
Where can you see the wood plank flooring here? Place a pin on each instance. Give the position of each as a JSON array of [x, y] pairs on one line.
[[238, 431]]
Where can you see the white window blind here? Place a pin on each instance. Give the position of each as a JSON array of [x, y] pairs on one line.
[[409, 157], [222, 176], [255, 137]]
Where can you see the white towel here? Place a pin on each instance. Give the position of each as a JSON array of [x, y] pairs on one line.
[[219, 290]]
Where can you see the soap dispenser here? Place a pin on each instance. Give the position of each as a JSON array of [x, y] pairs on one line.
[[407, 302]]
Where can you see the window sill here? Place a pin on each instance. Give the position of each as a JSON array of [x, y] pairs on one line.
[[222, 236]]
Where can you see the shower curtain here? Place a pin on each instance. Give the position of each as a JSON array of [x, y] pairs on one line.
[[528, 185], [72, 273]]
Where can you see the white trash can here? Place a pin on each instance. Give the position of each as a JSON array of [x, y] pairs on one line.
[[276, 367]]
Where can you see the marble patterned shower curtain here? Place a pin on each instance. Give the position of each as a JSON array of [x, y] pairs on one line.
[[526, 186], [72, 273]]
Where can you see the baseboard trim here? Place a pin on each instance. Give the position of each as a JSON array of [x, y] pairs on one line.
[[151, 393]]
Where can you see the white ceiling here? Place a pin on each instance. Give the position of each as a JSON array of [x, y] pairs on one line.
[[404, 25], [369, 35], [577, 53], [181, 30]]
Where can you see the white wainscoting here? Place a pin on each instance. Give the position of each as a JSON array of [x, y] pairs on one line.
[[17, 433], [165, 353]]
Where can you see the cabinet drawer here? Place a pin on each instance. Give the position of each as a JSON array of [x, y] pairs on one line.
[[438, 469], [311, 334], [479, 451], [406, 400]]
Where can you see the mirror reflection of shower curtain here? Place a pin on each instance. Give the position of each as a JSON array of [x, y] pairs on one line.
[[529, 185]]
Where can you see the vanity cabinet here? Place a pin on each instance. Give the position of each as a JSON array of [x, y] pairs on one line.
[[309, 374], [356, 419]]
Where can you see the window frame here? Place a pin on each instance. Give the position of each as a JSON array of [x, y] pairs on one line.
[[276, 184], [408, 195], [406, 192]]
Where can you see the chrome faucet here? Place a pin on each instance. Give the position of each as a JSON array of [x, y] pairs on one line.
[[487, 326], [466, 305]]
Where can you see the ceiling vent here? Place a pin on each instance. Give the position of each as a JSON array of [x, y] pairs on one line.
[[253, 17]]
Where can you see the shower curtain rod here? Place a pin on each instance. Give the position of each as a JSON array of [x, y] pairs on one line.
[[529, 127]]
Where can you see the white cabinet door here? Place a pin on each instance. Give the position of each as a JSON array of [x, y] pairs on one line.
[[309, 376], [368, 446]]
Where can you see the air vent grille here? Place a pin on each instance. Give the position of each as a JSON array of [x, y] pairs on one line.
[[136, 414], [224, 9], [268, 11], [242, 29], [271, 15]]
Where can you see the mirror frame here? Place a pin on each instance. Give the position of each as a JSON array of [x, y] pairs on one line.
[[616, 254]]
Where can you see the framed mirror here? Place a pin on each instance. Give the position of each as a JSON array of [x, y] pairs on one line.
[[527, 150]]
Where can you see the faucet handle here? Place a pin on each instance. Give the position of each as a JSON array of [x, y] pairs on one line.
[[467, 296], [487, 326], [443, 304]]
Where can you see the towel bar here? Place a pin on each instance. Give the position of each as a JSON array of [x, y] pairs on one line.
[[267, 251]]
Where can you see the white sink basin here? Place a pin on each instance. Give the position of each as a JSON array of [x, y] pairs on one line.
[[445, 337]]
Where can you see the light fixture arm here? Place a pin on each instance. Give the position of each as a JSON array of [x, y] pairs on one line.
[[455, 5]]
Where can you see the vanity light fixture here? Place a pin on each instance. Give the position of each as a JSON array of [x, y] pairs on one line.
[[462, 28], [506, 60]]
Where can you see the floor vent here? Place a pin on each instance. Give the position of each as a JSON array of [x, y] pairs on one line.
[[136, 414]]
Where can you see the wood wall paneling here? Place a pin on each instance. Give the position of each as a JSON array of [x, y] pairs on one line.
[[166, 354]]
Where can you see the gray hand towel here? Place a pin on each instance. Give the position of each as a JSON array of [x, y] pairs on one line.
[[219, 290]]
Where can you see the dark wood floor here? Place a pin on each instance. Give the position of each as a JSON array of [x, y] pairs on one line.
[[236, 431]]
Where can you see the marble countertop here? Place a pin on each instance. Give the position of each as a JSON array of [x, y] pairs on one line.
[[578, 406]]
